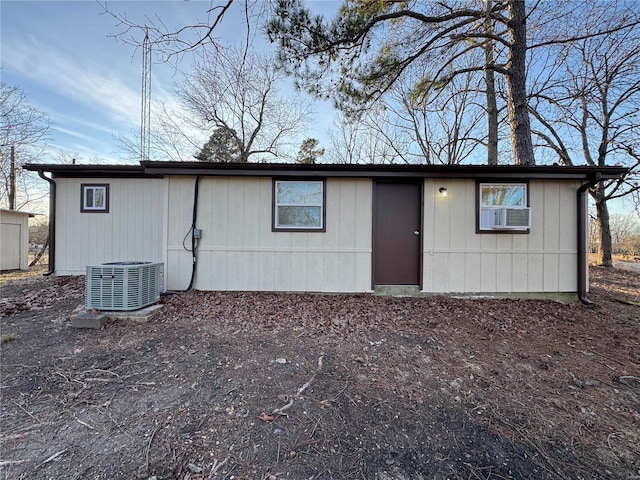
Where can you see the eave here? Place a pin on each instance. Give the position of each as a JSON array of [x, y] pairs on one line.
[[19, 212], [160, 169], [383, 171], [90, 171]]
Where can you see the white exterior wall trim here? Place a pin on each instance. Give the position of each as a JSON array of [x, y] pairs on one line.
[[275, 249], [548, 251]]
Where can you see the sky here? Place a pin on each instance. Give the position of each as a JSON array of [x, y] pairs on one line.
[[65, 58]]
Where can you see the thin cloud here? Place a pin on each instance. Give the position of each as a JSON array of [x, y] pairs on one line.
[[90, 84], [72, 133], [79, 123]]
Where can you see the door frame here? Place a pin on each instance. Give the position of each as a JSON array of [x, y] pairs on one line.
[[409, 180]]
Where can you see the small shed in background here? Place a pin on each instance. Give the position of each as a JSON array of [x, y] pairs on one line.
[[14, 239]]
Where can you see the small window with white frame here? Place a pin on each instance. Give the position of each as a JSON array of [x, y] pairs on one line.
[[503, 207], [299, 205], [95, 198]]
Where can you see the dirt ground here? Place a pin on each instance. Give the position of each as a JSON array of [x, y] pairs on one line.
[[295, 386]]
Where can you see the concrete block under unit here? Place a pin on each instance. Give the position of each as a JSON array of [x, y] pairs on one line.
[[88, 320]]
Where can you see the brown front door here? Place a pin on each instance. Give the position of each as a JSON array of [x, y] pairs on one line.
[[396, 233]]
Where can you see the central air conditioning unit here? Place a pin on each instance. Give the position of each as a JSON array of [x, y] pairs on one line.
[[123, 286], [511, 217]]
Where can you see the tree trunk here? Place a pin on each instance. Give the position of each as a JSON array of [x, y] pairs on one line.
[[38, 256], [517, 85], [12, 180], [603, 228], [492, 104]]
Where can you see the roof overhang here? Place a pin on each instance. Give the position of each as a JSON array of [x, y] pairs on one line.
[[159, 169], [19, 212], [90, 171]]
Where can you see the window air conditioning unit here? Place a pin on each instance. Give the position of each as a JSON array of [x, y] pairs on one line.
[[123, 285], [517, 218]]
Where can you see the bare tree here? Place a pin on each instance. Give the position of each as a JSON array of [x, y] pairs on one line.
[[39, 237], [589, 112], [346, 145], [234, 92], [386, 140], [23, 137], [441, 128], [404, 130], [360, 53], [369, 139], [490, 87], [177, 134], [635, 196], [237, 91], [339, 55], [172, 137], [38, 230], [172, 41], [623, 228], [593, 231]]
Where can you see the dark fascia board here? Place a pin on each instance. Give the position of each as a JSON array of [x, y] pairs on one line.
[[152, 169], [383, 171], [89, 171], [20, 212]]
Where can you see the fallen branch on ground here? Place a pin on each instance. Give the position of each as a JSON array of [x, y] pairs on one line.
[[52, 457], [149, 445], [217, 466], [280, 410]]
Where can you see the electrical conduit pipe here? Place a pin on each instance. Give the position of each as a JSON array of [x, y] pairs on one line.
[[582, 240]]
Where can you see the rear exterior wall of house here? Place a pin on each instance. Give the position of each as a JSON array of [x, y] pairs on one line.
[[239, 251], [457, 259], [150, 219], [131, 230]]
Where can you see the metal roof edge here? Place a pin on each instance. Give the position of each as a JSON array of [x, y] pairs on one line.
[[151, 169], [22, 212], [88, 170], [380, 171]]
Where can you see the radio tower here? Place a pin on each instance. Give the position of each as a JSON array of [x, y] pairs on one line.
[[145, 118]]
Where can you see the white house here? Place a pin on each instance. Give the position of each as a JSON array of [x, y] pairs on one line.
[[14, 240], [518, 230]]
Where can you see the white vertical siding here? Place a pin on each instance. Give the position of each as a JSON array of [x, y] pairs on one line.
[[457, 259], [132, 230], [239, 250], [150, 219]]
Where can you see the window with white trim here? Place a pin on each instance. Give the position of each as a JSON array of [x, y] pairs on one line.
[[95, 198], [503, 207], [298, 205]]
